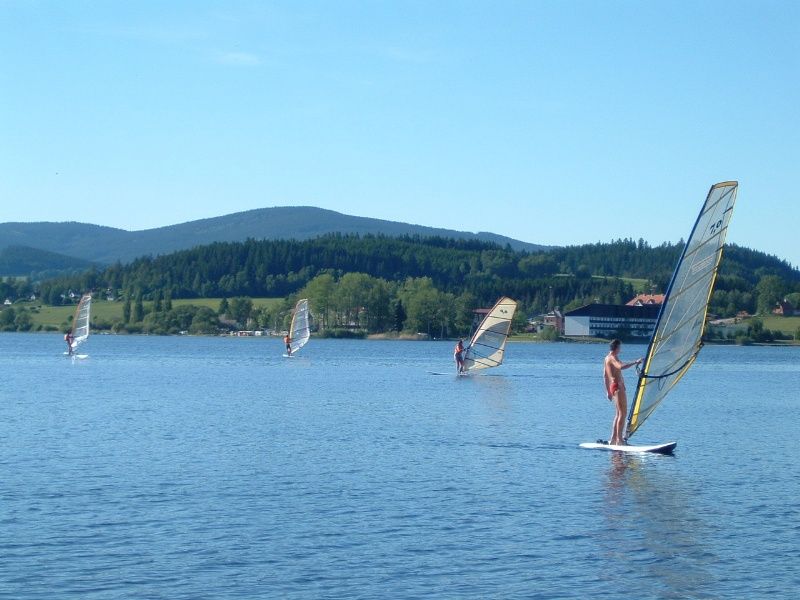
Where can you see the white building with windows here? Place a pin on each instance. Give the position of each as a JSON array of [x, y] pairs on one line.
[[611, 320]]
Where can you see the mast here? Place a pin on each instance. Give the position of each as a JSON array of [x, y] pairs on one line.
[[677, 337]]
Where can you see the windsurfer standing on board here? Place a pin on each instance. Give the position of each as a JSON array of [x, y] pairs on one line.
[[615, 389], [68, 339], [288, 341], [458, 355]]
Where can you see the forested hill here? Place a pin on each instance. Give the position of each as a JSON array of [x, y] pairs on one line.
[[562, 277], [22, 261], [625, 258], [107, 245]]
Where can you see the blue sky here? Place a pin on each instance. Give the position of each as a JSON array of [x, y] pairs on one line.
[[550, 122]]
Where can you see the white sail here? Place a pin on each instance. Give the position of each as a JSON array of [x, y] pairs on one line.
[[487, 346], [80, 323], [677, 338], [299, 331]]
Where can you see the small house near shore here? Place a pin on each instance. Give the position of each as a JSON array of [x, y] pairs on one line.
[[784, 308], [554, 319], [646, 300]]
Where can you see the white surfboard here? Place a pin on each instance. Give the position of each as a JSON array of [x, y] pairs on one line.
[[654, 448]]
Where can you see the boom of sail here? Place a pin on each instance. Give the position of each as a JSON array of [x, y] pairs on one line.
[[80, 322], [299, 330], [487, 346], [677, 337]]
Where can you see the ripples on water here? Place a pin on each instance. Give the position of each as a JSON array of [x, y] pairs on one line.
[[213, 468]]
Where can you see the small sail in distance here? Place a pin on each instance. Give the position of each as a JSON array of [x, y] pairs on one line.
[[487, 346]]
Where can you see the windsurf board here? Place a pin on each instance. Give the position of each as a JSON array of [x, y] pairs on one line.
[[666, 448]]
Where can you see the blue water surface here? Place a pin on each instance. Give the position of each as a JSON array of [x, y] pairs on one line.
[[199, 467]]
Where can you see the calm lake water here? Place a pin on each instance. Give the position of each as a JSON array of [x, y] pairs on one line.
[[180, 467]]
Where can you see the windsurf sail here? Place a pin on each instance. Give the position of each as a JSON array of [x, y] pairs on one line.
[[80, 322], [677, 337], [488, 343], [299, 331]]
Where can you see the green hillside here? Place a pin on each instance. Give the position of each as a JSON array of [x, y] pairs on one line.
[[446, 273], [375, 284], [25, 261], [107, 245]]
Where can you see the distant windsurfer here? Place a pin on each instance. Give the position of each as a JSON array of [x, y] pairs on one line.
[[615, 389], [458, 356], [288, 341], [68, 339]]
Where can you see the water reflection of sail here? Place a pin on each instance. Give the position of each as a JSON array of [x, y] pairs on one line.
[[649, 515], [493, 392]]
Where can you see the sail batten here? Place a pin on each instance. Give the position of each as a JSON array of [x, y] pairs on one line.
[[299, 330], [689, 319], [486, 349], [689, 286], [706, 243], [677, 337]]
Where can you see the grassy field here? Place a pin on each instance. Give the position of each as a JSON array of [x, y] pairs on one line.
[[787, 325], [640, 286], [111, 312]]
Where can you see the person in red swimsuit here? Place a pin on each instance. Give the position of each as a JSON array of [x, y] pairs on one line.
[[458, 356], [615, 389]]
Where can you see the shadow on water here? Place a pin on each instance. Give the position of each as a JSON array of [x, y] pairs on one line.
[[651, 531]]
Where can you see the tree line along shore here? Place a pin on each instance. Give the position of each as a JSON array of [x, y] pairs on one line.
[[222, 316], [361, 285]]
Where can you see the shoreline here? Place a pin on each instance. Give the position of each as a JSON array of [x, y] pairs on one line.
[[410, 337]]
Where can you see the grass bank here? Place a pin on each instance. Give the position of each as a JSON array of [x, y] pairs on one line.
[[44, 316], [788, 325]]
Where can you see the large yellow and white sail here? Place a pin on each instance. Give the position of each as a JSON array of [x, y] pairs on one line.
[[677, 338], [488, 343]]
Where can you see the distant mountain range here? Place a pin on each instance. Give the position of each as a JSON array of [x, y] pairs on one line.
[[106, 245]]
